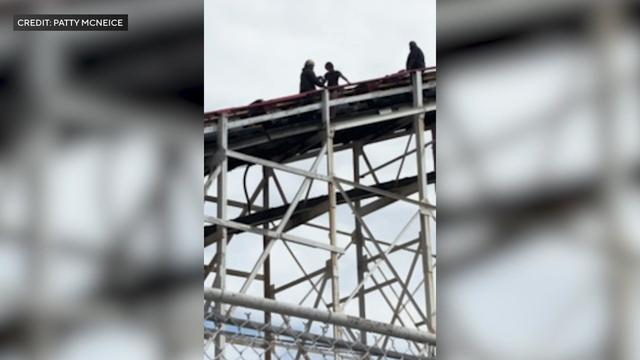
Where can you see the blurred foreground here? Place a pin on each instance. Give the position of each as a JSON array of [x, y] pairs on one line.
[[100, 190], [538, 165]]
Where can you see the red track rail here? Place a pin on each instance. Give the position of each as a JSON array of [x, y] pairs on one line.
[[387, 82]]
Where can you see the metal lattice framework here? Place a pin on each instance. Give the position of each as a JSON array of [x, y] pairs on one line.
[[341, 261]]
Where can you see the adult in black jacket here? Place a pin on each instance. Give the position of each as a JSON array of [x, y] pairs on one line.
[[308, 78], [415, 60]]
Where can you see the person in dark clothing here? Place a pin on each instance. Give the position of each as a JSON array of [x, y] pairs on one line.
[[333, 76], [308, 78], [415, 60]]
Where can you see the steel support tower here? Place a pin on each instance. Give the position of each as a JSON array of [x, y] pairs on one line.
[[331, 250]]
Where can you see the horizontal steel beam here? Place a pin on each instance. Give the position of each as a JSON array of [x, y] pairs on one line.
[[316, 106], [272, 234], [233, 203], [336, 319], [385, 193], [405, 246], [307, 174], [366, 120], [369, 96], [368, 290], [314, 207], [266, 117], [243, 274], [276, 166], [316, 342], [299, 280]]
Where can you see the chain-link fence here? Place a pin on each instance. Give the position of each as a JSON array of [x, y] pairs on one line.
[[245, 327]]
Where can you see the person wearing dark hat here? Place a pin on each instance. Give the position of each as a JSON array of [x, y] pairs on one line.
[[415, 60], [308, 78]]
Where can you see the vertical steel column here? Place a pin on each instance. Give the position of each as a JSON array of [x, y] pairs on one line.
[[220, 280], [433, 147], [425, 231], [358, 240], [266, 268], [335, 286], [607, 22]]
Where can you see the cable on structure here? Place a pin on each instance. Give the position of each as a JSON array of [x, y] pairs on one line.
[[246, 192]]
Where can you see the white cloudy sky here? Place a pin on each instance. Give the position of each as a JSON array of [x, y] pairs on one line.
[[254, 49]]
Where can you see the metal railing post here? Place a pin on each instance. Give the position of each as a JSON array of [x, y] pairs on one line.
[[220, 279], [335, 285], [425, 230]]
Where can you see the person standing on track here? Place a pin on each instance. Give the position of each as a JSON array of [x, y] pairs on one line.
[[333, 76], [415, 60], [308, 78]]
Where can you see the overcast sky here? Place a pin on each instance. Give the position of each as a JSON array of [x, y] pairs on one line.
[[255, 49]]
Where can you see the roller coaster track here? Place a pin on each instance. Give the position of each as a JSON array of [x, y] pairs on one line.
[[311, 129]]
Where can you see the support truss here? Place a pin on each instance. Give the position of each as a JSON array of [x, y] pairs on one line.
[[336, 247]]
